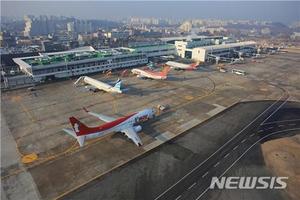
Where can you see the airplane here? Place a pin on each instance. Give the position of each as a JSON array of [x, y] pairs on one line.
[[182, 66], [144, 73], [95, 84], [127, 125]]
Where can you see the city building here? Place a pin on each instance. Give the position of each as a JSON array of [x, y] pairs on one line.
[[117, 34]]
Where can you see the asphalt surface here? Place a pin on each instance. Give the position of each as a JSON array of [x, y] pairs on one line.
[[221, 163], [183, 167]]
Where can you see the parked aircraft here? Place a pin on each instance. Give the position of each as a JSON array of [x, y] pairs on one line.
[[95, 84], [127, 125], [182, 66], [144, 73]]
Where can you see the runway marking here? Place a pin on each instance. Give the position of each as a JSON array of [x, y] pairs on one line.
[[292, 124], [244, 140], [226, 155], [289, 120], [205, 174], [236, 147], [215, 165], [192, 185], [275, 111], [218, 149], [244, 154], [178, 197]]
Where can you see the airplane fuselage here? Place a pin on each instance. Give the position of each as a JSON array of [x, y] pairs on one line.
[[101, 85], [181, 66], [148, 74], [119, 124]]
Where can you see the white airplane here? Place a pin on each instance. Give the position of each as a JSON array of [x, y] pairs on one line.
[[144, 73], [95, 84], [127, 125], [182, 66]]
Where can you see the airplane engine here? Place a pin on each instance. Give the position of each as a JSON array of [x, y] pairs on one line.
[[137, 128]]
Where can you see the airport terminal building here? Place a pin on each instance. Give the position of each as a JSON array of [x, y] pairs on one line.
[[204, 48], [88, 60]]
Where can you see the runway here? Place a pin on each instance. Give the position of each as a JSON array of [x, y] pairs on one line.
[[266, 126]]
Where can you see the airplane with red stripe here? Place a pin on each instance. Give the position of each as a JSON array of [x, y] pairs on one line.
[[145, 73], [129, 125], [182, 66]]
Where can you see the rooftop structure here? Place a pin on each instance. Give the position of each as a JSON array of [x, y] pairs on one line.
[[78, 62], [88, 60]]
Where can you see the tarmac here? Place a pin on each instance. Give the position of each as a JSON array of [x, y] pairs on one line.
[[34, 120]]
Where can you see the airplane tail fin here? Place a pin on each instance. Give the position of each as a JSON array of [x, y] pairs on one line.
[[118, 84], [78, 127], [165, 70], [80, 139]]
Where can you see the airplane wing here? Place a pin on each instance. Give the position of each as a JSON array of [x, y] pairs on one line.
[[100, 116], [131, 134], [70, 132]]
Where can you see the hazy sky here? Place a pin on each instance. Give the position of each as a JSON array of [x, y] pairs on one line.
[[280, 11]]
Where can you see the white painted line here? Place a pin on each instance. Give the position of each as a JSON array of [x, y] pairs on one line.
[[204, 175], [219, 148], [215, 165], [274, 111], [243, 155], [178, 197], [226, 155], [260, 131], [252, 134], [292, 124], [192, 185], [244, 140], [290, 120], [280, 125], [270, 127], [235, 147]]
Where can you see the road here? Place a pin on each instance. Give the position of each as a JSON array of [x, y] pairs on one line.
[[196, 182]]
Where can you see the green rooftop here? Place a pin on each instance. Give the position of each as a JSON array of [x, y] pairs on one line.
[[53, 58], [69, 57]]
